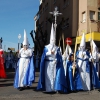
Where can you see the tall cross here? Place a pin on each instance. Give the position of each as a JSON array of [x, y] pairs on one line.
[[55, 13]]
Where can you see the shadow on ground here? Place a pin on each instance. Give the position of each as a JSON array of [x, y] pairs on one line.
[[9, 80]]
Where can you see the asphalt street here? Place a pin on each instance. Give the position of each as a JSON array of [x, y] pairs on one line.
[[8, 92]]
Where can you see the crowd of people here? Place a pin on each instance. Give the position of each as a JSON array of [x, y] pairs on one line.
[[63, 73]]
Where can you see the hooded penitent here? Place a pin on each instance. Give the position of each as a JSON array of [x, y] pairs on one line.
[[82, 44], [94, 49], [68, 50], [25, 42]]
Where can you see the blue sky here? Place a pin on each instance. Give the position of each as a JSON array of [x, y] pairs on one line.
[[15, 16]]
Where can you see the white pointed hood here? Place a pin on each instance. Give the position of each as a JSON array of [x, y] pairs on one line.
[[94, 47], [95, 53], [52, 36], [82, 44], [25, 42], [68, 51]]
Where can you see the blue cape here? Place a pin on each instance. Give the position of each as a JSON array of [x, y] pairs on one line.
[[60, 81], [29, 76], [95, 79], [74, 83]]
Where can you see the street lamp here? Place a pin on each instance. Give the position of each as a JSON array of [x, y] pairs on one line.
[[55, 13], [19, 37]]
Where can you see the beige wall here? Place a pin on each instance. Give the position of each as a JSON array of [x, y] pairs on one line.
[[92, 6], [82, 8], [89, 5]]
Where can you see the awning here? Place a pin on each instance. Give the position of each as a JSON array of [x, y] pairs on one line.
[[94, 35]]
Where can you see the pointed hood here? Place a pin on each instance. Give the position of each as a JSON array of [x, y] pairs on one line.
[[52, 36], [68, 50], [25, 42], [82, 44], [94, 47]]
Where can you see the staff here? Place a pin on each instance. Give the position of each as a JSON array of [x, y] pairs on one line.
[[75, 54], [63, 42]]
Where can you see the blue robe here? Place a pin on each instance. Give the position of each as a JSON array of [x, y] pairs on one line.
[[84, 68], [29, 75], [74, 83], [95, 79], [60, 81]]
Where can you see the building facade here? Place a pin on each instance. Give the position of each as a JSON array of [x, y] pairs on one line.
[[89, 21], [77, 16], [89, 16]]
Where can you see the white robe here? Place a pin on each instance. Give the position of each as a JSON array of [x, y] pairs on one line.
[[23, 64], [50, 69], [85, 76]]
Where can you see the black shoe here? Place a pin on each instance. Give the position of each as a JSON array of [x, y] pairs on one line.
[[60, 92], [21, 89], [28, 87], [73, 91]]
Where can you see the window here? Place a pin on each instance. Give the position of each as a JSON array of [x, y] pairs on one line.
[[54, 1], [92, 15], [66, 3], [40, 13], [84, 17], [65, 24], [42, 24], [46, 6], [43, 10], [98, 15]]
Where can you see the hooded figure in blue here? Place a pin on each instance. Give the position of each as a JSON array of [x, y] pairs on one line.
[[25, 72], [74, 82], [95, 65], [65, 57], [83, 65], [52, 78]]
